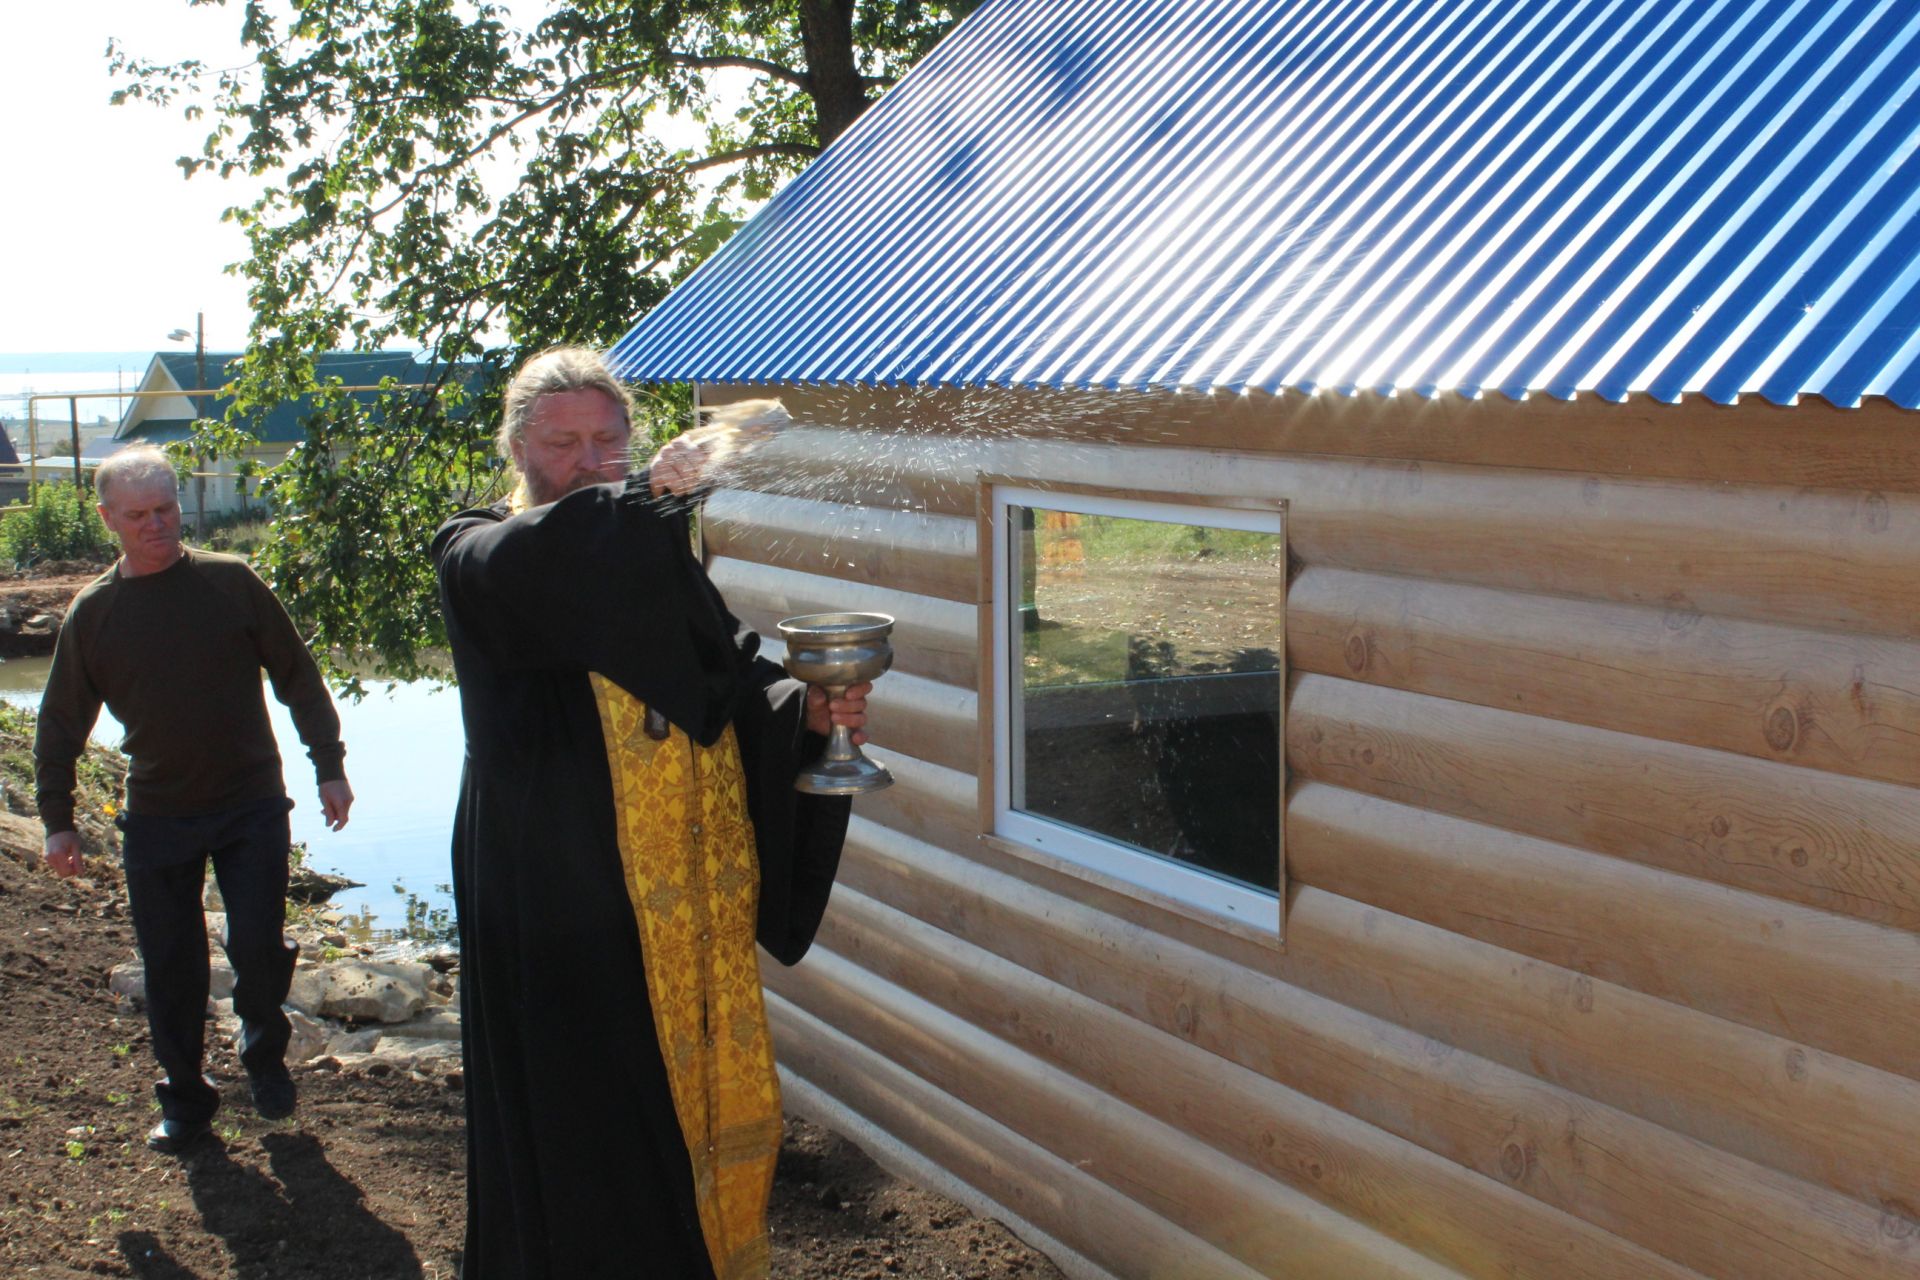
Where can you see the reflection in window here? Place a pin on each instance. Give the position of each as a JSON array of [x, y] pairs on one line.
[[1146, 705]]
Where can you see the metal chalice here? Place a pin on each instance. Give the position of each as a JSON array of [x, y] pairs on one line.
[[836, 651]]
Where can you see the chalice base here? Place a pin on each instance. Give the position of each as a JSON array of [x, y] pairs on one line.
[[856, 777]]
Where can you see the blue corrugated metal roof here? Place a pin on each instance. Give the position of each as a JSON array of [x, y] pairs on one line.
[[1615, 196]]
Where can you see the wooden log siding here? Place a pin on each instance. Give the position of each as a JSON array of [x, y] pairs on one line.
[[931, 638], [1842, 844], [1636, 1179], [1827, 700], [1225, 1204], [1425, 1201], [1815, 558], [1603, 834], [1808, 445], [829, 1075]]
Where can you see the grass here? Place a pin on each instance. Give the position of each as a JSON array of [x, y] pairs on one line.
[[100, 778]]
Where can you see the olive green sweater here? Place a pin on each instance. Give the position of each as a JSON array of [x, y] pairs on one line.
[[176, 656]]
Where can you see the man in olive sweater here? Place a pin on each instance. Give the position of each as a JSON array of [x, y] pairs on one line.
[[173, 640]]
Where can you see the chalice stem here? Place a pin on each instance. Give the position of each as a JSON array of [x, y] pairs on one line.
[[839, 742]]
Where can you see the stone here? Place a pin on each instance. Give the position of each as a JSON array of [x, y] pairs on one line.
[[409, 1053], [217, 927], [346, 1044], [437, 1022], [310, 1036], [225, 1019], [129, 982], [305, 885], [220, 978], [369, 991], [309, 990]]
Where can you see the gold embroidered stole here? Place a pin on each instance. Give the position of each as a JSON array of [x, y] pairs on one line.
[[686, 847]]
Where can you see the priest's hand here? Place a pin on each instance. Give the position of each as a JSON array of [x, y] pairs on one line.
[[682, 463], [850, 710]]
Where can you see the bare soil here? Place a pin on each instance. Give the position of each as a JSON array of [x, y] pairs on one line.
[[44, 591], [366, 1182]]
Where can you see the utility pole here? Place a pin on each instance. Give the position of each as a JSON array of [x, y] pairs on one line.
[[200, 411]]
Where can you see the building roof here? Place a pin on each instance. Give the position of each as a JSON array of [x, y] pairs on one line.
[[164, 420], [1669, 197]]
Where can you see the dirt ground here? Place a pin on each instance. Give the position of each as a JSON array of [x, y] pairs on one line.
[[366, 1182], [45, 590]]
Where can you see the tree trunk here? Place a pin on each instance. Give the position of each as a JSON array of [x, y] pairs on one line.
[[826, 33]]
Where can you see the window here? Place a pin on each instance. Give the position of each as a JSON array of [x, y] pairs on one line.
[[1138, 692]]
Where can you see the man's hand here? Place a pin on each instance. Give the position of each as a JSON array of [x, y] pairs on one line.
[[336, 798], [682, 463], [850, 710], [685, 463], [63, 854]]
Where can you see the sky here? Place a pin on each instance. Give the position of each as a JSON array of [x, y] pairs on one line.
[[106, 246]]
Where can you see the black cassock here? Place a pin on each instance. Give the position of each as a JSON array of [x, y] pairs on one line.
[[577, 1166]]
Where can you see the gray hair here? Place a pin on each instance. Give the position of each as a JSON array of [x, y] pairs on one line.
[[134, 464], [555, 371]]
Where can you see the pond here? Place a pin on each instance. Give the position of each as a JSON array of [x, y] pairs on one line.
[[403, 757]]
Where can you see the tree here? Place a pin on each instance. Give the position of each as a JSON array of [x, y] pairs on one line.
[[441, 179]]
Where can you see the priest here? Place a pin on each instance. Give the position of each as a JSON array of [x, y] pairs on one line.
[[627, 830]]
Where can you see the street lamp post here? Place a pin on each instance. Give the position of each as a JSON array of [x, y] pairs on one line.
[[199, 336]]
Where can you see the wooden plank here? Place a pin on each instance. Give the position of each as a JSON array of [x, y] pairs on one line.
[[1791, 1107], [800, 1097], [1269, 1227], [1826, 980], [1811, 444], [1718, 1212], [909, 714], [1822, 558], [902, 550], [1008, 1174], [931, 638], [1846, 845], [1844, 703], [1475, 1225], [928, 802], [1783, 1105]]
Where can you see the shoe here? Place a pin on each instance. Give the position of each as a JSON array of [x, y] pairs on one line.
[[273, 1096], [171, 1137]]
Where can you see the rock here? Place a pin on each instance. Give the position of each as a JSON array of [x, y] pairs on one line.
[[407, 1053], [220, 978], [309, 991], [365, 991], [129, 982], [225, 1019], [439, 1022], [306, 885], [217, 927], [443, 959], [345, 1044], [310, 1036]]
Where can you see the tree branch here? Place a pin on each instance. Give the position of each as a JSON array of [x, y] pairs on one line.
[[764, 67]]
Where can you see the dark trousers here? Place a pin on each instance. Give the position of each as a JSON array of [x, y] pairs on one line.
[[166, 862]]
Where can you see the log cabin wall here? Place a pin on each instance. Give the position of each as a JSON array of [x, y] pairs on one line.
[[1603, 846]]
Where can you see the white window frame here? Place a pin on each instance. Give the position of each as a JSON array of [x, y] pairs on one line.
[[1198, 894]]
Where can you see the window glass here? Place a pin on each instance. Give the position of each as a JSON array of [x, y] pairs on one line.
[[1144, 691]]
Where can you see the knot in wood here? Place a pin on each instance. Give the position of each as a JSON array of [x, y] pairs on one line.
[[1783, 727], [1513, 1161], [1357, 653]]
